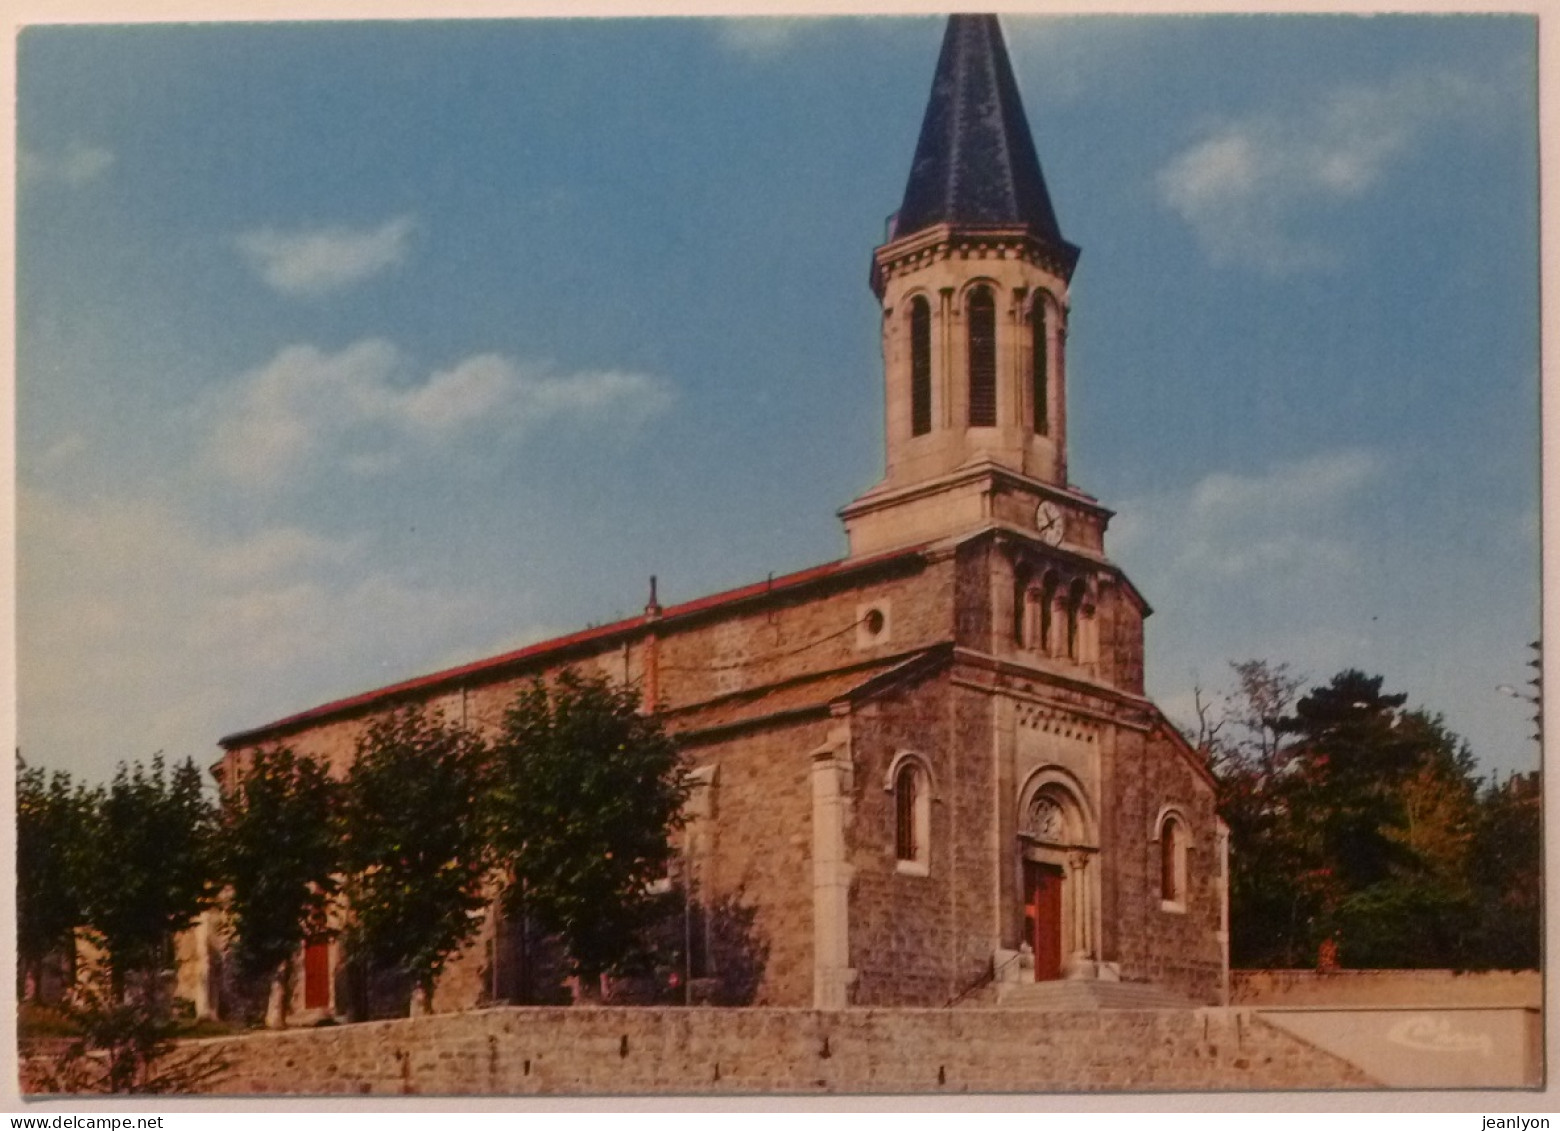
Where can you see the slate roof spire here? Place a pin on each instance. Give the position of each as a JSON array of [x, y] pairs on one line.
[[975, 162]]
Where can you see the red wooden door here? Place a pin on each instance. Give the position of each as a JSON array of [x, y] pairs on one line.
[[1043, 918], [316, 975]]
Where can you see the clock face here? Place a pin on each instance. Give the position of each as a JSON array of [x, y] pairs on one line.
[[1048, 521]]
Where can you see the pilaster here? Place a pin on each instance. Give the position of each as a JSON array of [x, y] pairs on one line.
[[832, 785]]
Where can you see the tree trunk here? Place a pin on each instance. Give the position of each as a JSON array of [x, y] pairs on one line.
[[589, 988]]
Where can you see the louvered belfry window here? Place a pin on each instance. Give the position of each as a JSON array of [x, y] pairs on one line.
[[920, 367], [983, 358], [1040, 356]]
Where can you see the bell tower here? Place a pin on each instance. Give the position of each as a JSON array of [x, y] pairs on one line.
[[973, 280]]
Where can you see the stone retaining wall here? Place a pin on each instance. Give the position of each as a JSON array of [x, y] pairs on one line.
[[584, 1051], [1489, 989]]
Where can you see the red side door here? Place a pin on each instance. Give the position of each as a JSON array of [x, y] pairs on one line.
[[316, 975]]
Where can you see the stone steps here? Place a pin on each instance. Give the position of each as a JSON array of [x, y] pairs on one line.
[[1067, 994]]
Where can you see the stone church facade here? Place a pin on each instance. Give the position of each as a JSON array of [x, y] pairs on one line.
[[931, 763]]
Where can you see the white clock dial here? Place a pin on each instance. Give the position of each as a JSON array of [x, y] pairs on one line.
[[1048, 521]]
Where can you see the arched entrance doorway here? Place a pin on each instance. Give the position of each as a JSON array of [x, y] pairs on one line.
[[1057, 856]]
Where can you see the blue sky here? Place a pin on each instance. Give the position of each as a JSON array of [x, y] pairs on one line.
[[347, 352]]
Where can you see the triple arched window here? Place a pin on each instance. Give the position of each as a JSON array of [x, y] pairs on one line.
[[1035, 621], [980, 312]]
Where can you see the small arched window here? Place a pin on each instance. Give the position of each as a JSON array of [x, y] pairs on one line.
[[912, 818], [1021, 577], [920, 367], [1047, 609], [906, 794], [983, 358], [1172, 864], [1074, 609]]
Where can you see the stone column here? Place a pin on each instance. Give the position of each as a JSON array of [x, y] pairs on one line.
[[1081, 961]]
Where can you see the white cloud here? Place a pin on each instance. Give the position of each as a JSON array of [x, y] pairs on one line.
[[1276, 563], [1270, 528], [1289, 490], [317, 262], [75, 164], [364, 408], [490, 386], [1241, 184]]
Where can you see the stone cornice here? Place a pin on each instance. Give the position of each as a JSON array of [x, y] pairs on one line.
[[876, 499], [970, 241]]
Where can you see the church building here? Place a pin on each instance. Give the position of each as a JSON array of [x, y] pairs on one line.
[[928, 768]]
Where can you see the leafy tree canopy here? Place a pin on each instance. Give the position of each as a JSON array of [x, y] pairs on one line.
[[278, 854], [150, 849], [1356, 822], [414, 845], [53, 822], [587, 791]]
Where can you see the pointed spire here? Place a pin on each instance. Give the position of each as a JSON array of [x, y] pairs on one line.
[[975, 162]]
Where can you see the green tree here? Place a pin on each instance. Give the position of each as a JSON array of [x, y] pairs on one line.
[[414, 846], [1272, 900], [1507, 867], [149, 867], [1352, 820], [587, 792], [1350, 760], [278, 853], [53, 821]]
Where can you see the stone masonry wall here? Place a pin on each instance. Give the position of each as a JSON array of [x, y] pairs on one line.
[[680, 1051], [1179, 950], [758, 848], [918, 939], [1489, 989]]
